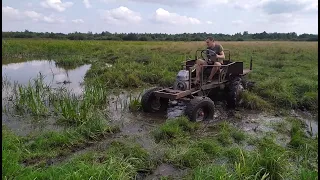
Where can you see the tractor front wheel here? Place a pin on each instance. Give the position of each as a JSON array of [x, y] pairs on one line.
[[200, 109], [151, 103]]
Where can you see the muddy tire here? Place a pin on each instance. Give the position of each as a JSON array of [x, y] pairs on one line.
[[151, 103], [235, 89], [248, 85], [200, 109]]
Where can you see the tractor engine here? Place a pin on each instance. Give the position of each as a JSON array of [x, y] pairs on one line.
[[182, 81]]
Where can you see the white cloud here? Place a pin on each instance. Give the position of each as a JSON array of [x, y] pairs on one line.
[[280, 19], [313, 7], [121, 15], [163, 16], [275, 6], [176, 3], [112, 1], [209, 22], [29, 4], [56, 5], [9, 13], [237, 22], [14, 66], [246, 4], [33, 15], [87, 3], [77, 21], [53, 19]]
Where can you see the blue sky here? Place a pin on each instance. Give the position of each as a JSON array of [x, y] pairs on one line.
[[161, 16]]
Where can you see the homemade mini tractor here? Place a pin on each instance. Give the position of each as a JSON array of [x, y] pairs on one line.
[[199, 98]]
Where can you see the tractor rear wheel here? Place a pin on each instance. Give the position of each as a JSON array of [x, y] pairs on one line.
[[200, 109], [151, 103], [235, 89]]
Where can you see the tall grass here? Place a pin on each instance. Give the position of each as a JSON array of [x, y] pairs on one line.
[[33, 97], [39, 99], [281, 79]]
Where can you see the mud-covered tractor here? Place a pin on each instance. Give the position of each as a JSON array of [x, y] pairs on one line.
[[199, 99]]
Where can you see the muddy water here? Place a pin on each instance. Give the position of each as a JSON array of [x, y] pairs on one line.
[[56, 76], [258, 124], [135, 126], [23, 126], [22, 73]]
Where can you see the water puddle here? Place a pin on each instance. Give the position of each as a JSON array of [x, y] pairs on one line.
[[135, 126], [260, 124], [24, 126], [132, 122], [310, 121], [55, 76], [166, 170], [21, 74]]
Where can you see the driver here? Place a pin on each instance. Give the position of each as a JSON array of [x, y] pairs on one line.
[[216, 59]]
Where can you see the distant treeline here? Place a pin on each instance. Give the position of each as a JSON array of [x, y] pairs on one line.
[[245, 36]]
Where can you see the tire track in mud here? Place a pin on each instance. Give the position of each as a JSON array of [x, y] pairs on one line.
[[137, 127]]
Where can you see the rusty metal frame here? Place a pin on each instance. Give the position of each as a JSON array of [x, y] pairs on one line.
[[172, 94]]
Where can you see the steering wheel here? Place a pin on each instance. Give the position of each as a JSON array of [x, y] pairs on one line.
[[208, 53]]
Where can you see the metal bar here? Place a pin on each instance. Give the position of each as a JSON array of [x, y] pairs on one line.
[[190, 78], [217, 65], [220, 66], [201, 75]]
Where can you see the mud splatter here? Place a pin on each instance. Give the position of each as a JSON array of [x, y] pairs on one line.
[[166, 170]]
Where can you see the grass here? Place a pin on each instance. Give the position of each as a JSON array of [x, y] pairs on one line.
[[177, 128], [287, 85], [30, 98], [39, 99], [215, 152], [111, 164], [222, 156]]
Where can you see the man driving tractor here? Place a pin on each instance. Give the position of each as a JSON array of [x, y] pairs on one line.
[[216, 59]]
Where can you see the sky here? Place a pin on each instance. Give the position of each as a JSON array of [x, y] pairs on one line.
[[161, 16]]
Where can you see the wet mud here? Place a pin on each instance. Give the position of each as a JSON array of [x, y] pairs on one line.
[[166, 170], [24, 72], [134, 126]]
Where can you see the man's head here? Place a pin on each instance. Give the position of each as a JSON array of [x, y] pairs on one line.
[[210, 41]]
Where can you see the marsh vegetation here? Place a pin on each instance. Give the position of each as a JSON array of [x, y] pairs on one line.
[[92, 127]]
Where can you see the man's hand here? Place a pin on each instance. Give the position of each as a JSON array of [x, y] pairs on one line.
[[222, 56]]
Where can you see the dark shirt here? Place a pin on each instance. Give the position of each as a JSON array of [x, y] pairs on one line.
[[217, 48]]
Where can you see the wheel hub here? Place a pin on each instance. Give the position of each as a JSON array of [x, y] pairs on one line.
[[155, 104], [200, 115]]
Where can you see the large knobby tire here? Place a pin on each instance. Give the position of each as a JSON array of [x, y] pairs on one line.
[[200, 109], [235, 89], [151, 103]]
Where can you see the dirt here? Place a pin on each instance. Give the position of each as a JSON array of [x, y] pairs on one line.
[[27, 125], [166, 170], [310, 120], [135, 126]]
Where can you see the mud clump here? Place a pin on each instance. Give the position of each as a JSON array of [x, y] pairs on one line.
[[165, 170]]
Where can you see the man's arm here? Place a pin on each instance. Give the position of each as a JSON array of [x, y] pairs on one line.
[[221, 56]]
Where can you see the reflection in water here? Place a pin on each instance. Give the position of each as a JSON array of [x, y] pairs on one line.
[[54, 75], [23, 73]]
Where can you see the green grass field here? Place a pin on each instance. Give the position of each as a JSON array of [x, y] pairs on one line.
[[286, 77]]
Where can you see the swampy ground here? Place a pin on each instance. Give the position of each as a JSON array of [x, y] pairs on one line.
[[71, 110]]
